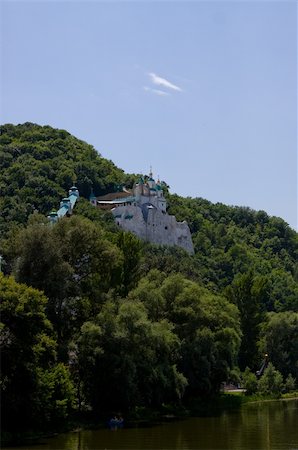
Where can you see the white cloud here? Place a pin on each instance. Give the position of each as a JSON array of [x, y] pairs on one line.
[[159, 81], [156, 91]]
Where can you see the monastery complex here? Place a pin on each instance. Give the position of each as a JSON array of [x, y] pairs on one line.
[[143, 211]]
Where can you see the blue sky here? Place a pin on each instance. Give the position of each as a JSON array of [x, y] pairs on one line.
[[205, 92]]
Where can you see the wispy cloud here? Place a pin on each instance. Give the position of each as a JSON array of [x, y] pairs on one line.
[[156, 91], [159, 81]]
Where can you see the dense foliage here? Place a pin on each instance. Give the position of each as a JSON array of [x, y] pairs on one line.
[[93, 318], [36, 389], [39, 164]]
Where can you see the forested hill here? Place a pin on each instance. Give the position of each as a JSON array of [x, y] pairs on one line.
[[231, 240], [40, 163], [92, 319]]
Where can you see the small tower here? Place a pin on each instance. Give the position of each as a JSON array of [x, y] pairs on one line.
[[65, 203], [74, 191], [53, 217], [138, 188], [151, 182], [92, 198]]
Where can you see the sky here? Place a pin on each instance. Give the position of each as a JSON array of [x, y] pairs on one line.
[[204, 92]]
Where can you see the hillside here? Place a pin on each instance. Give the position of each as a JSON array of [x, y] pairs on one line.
[[39, 164], [229, 240], [94, 318]]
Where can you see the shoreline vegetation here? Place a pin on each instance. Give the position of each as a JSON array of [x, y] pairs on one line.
[[145, 417]]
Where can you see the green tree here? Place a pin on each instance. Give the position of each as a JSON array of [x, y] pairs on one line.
[[149, 293], [131, 248], [74, 264], [28, 353], [248, 292], [249, 381], [280, 341], [209, 329], [206, 324], [169, 260], [283, 291], [38, 261], [55, 396], [271, 382], [94, 260], [290, 383], [128, 359]]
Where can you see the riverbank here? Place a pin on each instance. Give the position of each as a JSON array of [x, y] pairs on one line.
[[146, 417], [257, 398], [226, 401]]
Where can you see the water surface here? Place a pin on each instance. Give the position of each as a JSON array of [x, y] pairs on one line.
[[256, 426]]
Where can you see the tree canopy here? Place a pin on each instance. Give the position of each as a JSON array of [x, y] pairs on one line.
[[35, 389]]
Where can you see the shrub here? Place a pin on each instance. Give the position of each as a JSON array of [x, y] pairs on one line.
[[250, 382], [271, 383], [290, 383]]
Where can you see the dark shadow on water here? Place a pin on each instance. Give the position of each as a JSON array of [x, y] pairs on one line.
[[216, 406]]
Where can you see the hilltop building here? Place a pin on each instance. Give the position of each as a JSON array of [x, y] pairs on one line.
[[143, 211], [66, 205]]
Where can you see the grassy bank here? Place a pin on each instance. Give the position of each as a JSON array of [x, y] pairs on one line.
[[243, 399]]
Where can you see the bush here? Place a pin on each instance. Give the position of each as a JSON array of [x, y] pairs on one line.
[[250, 382], [271, 383], [290, 383]]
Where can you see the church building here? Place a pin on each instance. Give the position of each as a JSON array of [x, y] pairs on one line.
[[143, 211]]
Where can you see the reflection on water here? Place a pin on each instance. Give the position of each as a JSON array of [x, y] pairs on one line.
[[258, 426]]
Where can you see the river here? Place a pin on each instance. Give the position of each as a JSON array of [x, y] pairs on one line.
[[256, 426]]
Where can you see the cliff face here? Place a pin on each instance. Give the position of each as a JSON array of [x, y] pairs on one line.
[[153, 225]]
